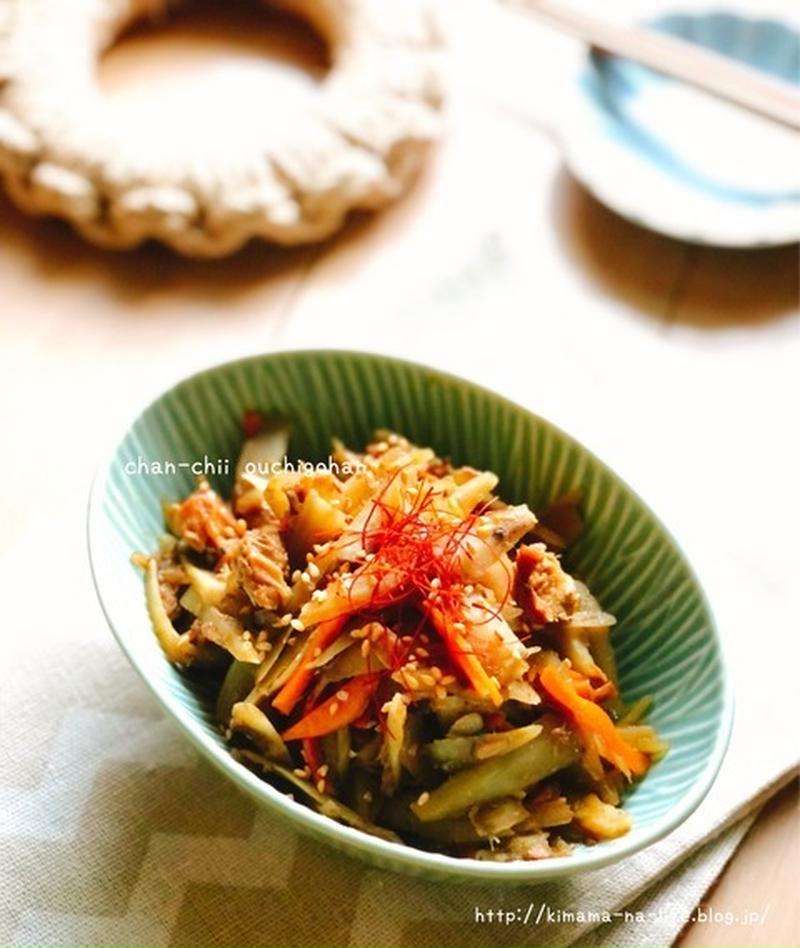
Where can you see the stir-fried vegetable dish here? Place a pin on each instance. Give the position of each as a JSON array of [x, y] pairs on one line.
[[400, 649]]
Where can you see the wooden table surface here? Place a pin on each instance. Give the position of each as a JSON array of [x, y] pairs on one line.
[[498, 265]]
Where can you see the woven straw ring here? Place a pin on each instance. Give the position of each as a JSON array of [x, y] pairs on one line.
[[356, 145]]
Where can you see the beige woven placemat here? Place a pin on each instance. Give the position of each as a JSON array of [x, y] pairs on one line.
[[114, 833], [65, 149]]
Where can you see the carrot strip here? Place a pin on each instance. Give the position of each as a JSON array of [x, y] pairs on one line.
[[346, 706], [321, 637], [592, 721], [586, 689], [312, 755], [464, 656], [483, 683], [604, 693]]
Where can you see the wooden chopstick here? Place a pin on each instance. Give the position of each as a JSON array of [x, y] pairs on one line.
[[679, 59]]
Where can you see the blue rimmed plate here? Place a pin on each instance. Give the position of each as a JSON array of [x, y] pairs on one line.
[[681, 162]]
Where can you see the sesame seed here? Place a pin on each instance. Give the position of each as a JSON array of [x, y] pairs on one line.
[[342, 695], [334, 707], [436, 583], [367, 796], [423, 798], [319, 595], [321, 786], [422, 652], [317, 652], [314, 571], [306, 579], [323, 770], [296, 576], [297, 625]]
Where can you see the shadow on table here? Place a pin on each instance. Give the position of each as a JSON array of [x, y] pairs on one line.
[[170, 63], [52, 250], [673, 281]]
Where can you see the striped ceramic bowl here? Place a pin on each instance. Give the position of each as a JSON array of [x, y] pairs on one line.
[[665, 638]]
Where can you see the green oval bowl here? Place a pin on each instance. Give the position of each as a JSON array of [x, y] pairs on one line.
[[665, 638]]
